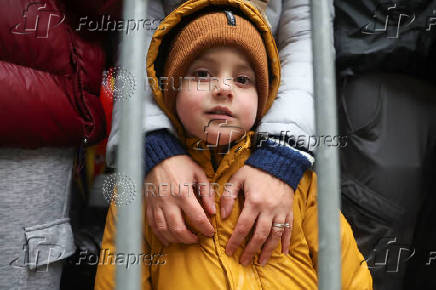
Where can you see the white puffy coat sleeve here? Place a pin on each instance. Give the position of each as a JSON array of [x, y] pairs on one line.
[[293, 111], [154, 117]]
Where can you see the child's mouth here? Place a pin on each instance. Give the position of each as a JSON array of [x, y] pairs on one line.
[[220, 111]]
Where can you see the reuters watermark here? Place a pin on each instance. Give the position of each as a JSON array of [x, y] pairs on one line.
[[119, 83], [200, 83], [119, 189], [186, 189]]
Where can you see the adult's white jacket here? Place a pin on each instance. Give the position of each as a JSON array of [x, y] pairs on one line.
[[292, 112]]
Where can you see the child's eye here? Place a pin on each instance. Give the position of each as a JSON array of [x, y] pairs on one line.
[[201, 74], [243, 80]]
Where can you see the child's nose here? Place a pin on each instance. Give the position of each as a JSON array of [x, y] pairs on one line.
[[223, 88]]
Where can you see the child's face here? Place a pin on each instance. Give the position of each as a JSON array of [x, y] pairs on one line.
[[219, 85]]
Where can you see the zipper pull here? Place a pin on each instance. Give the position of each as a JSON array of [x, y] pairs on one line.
[[238, 149]]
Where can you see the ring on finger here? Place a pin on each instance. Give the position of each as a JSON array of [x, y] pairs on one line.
[[279, 225]]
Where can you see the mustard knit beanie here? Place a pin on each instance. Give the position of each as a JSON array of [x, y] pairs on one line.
[[222, 28]]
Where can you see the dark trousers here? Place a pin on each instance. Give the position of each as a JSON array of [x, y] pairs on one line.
[[388, 176]]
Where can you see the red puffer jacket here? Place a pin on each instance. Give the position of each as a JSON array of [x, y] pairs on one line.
[[50, 76]]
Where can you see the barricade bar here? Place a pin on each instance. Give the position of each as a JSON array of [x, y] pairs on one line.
[[327, 165], [130, 150]]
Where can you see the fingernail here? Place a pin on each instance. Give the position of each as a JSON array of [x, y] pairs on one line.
[[245, 262], [213, 209], [229, 252], [263, 262]]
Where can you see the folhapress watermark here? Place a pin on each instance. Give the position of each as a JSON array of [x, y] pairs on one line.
[[264, 139], [107, 257], [390, 256], [38, 20], [38, 258], [394, 18], [107, 23]]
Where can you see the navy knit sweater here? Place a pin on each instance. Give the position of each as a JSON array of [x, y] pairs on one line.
[[284, 162]]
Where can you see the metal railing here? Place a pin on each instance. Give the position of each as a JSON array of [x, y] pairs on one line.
[[131, 147], [327, 165], [129, 228]]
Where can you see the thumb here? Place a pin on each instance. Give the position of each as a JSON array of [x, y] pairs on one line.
[[230, 193], [207, 193]]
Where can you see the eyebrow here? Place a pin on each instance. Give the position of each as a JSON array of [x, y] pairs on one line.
[[206, 59], [242, 66]]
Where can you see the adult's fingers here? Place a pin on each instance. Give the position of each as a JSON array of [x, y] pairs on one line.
[[286, 238], [150, 221], [245, 223], [207, 193], [272, 241], [177, 228], [195, 213], [230, 193], [161, 225], [261, 233]]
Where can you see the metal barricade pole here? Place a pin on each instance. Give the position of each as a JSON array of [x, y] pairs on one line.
[[329, 256], [130, 151]]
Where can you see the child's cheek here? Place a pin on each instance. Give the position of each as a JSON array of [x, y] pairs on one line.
[[189, 109], [249, 104], [192, 94]]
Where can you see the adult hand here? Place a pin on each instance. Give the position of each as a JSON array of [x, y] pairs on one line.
[[168, 192], [268, 200]]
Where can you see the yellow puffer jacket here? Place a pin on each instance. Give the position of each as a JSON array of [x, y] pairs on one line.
[[205, 265]]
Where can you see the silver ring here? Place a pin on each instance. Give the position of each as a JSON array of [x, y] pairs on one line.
[[285, 225]]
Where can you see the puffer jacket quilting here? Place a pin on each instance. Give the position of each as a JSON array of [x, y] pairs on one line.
[[50, 78]]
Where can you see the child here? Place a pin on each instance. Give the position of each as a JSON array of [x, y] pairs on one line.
[[289, 120], [203, 42]]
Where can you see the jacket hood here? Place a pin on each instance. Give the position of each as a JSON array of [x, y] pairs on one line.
[[175, 20]]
